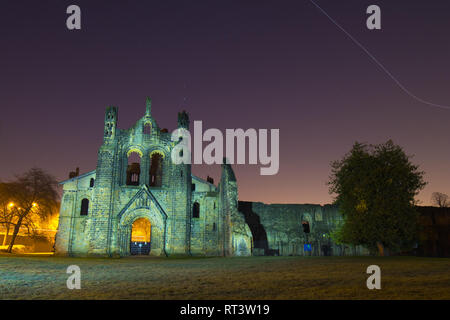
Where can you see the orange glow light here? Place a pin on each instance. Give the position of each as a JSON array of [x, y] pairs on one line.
[[141, 230]]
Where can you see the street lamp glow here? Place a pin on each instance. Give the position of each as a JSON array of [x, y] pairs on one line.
[[11, 204]]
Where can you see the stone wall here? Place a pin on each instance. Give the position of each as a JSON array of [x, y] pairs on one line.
[[278, 229], [434, 232]]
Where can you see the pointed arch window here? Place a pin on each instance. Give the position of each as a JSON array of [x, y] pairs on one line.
[[133, 168], [156, 169]]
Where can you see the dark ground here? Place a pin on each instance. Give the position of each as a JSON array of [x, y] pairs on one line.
[[39, 277]]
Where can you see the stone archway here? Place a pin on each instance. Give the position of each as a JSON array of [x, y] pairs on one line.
[[141, 237], [158, 230]]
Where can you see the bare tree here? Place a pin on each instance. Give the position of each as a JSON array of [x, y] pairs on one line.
[[34, 196], [440, 199], [6, 210]]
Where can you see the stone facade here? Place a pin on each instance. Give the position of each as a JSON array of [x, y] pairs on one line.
[[188, 215], [285, 229]]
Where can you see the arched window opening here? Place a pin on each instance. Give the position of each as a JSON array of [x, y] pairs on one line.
[[84, 207], [133, 169], [91, 183], [196, 210], [305, 225], [156, 170], [147, 128]]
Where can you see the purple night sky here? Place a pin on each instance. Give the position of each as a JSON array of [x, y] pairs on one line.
[[240, 64]]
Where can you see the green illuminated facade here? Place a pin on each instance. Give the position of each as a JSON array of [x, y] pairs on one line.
[[188, 215]]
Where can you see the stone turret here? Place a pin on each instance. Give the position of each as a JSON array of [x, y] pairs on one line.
[[148, 107], [110, 124], [183, 120]]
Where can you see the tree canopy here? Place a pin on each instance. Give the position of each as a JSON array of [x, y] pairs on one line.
[[375, 188]]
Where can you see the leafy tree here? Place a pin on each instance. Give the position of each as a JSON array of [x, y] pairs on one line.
[[440, 199], [375, 186], [34, 196]]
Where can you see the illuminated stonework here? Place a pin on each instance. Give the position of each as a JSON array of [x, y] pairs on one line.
[[135, 179], [150, 187], [141, 230]]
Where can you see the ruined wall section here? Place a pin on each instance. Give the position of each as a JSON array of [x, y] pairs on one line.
[[204, 228], [237, 238], [72, 235], [284, 227], [283, 224]]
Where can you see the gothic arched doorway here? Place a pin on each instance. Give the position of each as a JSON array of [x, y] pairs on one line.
[[140, 237], [141, 220]]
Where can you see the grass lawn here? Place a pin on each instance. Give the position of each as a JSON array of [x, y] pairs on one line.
[[38, 277]]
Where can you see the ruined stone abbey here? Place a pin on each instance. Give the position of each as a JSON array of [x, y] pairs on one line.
[[136, 181]]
